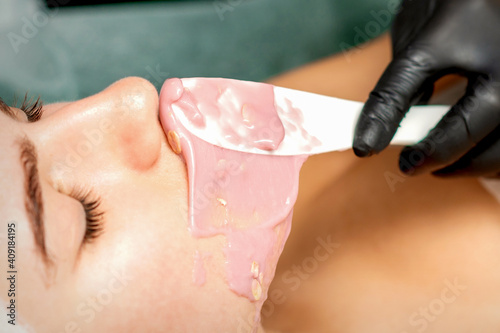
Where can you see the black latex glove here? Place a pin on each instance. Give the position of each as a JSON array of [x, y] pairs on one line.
[[432, 38]]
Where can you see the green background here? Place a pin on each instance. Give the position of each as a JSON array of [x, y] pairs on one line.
[[70, 53]]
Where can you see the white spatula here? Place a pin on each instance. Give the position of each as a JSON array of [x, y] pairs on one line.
[[329, 120]]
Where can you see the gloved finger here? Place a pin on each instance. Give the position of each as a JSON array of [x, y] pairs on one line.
[[409, 23], [425, 94], [482, 160], [391, 99], [467, 123]]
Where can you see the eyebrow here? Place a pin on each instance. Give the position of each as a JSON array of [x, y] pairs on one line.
[[33, 200], [6, 109]]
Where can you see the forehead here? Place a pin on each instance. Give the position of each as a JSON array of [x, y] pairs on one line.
[[11, 173], [10, 133]]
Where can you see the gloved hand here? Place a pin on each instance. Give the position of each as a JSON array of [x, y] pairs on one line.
[[432, 38]]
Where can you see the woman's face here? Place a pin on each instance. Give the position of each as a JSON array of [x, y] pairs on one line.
[[99, 204]]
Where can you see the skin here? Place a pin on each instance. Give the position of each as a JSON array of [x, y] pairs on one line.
[[399, 244], [390, 258], [137, 275]]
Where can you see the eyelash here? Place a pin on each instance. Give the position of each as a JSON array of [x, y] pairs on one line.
[[93, 214], [32, 108]]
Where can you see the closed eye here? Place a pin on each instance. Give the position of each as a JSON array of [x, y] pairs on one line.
[[93, 214], [32, 108]]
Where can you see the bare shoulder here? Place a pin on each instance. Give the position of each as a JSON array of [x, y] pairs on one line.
[[403, 253]]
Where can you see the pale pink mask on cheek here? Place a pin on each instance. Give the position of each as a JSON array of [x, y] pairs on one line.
[[245, 197]]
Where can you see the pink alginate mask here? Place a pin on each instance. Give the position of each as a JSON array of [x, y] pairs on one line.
[[248, 198]]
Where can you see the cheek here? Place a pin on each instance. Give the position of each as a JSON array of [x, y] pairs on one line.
[[66, 218], [142, 275], [148, 277]]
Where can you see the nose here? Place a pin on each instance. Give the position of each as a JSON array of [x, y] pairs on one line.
[[116, 128]]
